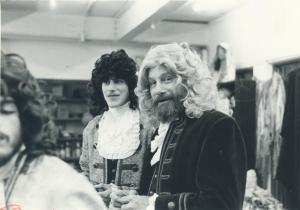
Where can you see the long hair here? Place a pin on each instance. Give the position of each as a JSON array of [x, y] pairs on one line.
[[38, 132], [192, 74], [116, 65]]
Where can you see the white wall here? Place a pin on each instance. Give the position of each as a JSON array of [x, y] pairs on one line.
[[259, 30], [65, 59], [193, 33]]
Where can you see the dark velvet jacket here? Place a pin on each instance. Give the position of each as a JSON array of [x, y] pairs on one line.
[[203, 165]]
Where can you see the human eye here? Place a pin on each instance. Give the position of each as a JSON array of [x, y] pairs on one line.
[[8, 108], [106, 82], [168, 78], [152, 83], [119, 81]]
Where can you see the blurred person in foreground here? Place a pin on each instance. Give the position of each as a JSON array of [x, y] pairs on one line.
[[199, 158], [30, 176]]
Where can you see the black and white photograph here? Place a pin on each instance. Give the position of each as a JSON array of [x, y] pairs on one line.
[[150, 105]]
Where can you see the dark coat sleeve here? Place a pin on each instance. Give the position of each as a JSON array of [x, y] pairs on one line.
[[147, 170], [220, 175]]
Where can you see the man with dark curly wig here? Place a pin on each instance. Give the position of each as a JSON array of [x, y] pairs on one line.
[[115, 142], [199, 158], [30, 176]]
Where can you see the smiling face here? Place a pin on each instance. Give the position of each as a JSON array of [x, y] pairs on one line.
[[164, 92], [115, 92], [10, 129]]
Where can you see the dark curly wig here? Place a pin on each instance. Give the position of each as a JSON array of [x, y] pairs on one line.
[[38, 131], [117, 65]]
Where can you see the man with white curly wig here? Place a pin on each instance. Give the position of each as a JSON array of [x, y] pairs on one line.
[[199, 158]]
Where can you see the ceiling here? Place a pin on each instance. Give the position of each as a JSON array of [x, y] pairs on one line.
[[122, 20], [98, 8], [203, 10]]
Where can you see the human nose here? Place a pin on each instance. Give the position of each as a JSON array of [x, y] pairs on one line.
[[158, 89]]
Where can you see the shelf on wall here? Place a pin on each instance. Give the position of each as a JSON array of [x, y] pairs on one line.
[[71, 159], [69, 139], [70, 100], [71, 97], [67, 119]]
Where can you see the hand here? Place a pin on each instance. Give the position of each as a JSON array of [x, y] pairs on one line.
[[134, 202], [117, 194], [104, 190]]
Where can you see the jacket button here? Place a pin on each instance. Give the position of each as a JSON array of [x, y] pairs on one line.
[[171, 205], [177, 131], [96, 165], [135, 168]]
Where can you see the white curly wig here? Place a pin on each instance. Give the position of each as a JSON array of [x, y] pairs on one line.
[[192, 74]]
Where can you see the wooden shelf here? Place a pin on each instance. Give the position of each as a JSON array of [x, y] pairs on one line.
[[70, 100], [71, 97], [69, 139], [71, 159], [67, 119]]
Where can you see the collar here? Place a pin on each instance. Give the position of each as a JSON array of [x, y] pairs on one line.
[[157, 143], [6, 170], [118, 136], [119, 111]]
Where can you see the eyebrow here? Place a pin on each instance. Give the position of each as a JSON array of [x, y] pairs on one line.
[[170, 73], [163, 74]]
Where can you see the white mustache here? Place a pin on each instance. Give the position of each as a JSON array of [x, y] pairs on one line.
[[161, 98], [4, 136]]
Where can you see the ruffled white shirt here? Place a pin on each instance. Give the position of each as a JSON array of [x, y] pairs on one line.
[[119, 132], [158, 141]]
